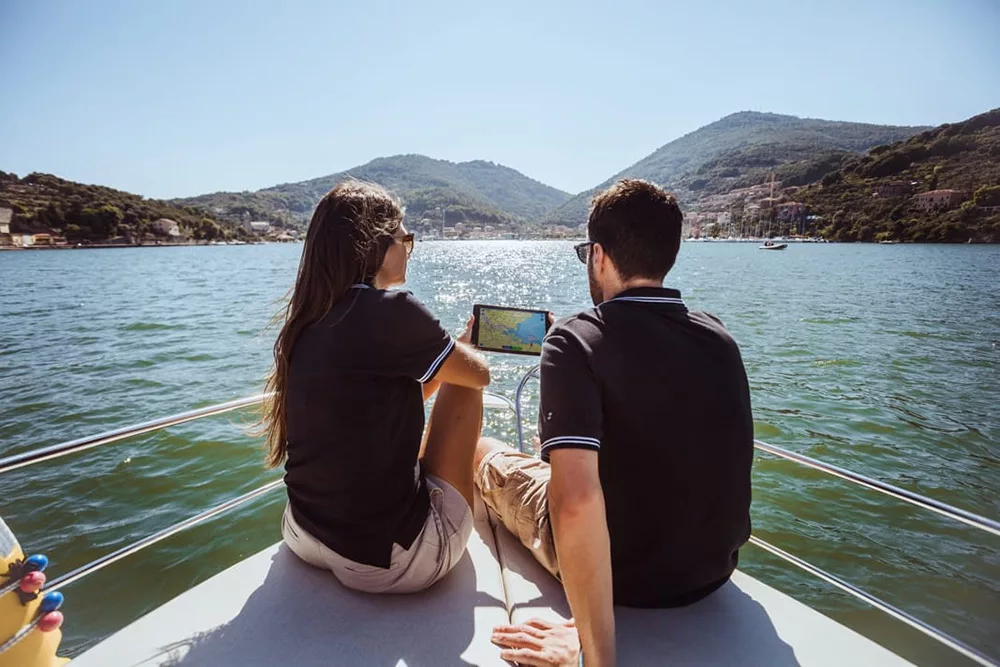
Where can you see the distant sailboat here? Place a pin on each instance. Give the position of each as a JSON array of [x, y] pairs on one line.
[[769, 244]]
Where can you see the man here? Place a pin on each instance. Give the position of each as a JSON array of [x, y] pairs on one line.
[[642, 496]]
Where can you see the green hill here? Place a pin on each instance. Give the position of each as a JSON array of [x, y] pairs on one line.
[[856, 203], [95, 213], [475, 192], [741, 149]]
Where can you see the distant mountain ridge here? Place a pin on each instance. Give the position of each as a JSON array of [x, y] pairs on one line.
[[476, 191], [841, 172], [737, 150]]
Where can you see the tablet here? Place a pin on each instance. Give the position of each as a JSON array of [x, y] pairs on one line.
[[512, 330]]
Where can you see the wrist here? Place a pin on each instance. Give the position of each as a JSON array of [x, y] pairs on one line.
[[596, 657]]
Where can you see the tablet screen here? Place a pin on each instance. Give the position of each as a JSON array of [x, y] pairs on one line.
[[514, 330]]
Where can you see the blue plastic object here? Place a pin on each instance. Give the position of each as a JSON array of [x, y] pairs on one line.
[[50, 602], [36, 563]]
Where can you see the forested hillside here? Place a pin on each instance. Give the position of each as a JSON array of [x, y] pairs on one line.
[[742, 149], [852, 203], [94, 213], [475, 192]]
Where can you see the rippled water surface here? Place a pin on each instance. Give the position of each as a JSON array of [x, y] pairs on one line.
[[883, 359]]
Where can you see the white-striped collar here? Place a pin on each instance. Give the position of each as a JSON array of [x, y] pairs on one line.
[[647, 299], [649, 295]]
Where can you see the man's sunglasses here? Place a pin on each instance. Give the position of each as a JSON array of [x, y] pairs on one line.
[[407, 241], [583, 251]]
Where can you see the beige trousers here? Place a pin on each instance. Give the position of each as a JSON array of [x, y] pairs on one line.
[[434, 552]]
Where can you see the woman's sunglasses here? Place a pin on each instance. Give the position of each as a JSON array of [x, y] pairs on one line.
[[583, 251], [407, 241]]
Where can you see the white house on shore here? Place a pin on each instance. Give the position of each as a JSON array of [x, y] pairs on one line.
[[258, 227], [167, 227], [5, 237]]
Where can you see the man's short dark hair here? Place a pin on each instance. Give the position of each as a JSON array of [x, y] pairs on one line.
[[639, 225]]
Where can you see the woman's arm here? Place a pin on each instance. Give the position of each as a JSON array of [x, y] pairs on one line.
[[464, 367]]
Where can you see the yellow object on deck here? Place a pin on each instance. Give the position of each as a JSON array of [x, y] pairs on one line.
[[35, 648]]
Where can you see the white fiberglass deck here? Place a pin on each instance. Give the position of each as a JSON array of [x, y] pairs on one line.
[[272, 609]]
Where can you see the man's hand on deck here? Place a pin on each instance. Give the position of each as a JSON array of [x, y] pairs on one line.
[[539, 643]]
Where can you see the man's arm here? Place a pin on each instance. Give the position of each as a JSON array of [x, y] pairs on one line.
[[570, 427], [580, 528], [576, 508]]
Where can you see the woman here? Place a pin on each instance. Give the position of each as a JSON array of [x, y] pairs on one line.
[[354, 363]]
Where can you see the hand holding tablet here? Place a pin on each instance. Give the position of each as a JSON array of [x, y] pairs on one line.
[[511, 330]]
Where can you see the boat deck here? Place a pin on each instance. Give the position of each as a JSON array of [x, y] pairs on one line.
[[272, 609]]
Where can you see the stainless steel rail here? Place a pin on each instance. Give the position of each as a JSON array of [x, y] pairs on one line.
[[879, 604], [491, 401], [495, 401], [533, 373], [944, 509], [117, 555], [63, 448]]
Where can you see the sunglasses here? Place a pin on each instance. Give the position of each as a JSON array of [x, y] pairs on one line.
[[407, 241], [583, 251]]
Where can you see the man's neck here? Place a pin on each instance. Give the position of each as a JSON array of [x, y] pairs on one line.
[[631, 283]]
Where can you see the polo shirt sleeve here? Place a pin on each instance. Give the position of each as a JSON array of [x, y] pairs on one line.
[[417, 343], [570, 408]]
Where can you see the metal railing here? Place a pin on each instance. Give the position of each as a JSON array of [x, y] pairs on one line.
[[920, 626], [115, 556], [490, 401], [494, 401], [944, 509], [72, 446]]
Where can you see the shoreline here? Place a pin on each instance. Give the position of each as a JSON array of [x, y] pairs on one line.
[[109, 246], [106, 246]]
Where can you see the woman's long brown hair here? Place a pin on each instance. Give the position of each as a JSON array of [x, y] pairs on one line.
[[349, 235]]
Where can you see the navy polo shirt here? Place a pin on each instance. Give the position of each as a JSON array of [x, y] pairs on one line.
[[661, 394], [355, 416]]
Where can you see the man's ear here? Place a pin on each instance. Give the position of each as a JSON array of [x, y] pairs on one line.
[[602, 262], [599, 256]]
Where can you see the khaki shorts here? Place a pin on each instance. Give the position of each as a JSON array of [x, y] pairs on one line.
[[515, 486], [437, 548]]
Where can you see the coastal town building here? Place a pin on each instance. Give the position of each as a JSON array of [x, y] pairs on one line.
[[5, 215], [892, 189], [31, 239], [258, 227], [167, 227], [939, 199]]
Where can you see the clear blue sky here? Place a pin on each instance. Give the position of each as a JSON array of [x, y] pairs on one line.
[[178, 97]]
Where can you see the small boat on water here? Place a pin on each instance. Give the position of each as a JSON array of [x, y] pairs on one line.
[[273, 609], [773, 246]]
